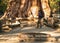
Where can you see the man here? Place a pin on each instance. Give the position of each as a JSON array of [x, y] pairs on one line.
[[40, 16]]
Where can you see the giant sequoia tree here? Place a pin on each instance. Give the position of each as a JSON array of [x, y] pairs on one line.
[[22, 8]]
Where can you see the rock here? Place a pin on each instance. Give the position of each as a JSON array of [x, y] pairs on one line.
[[23, 37], [51, 39], [6, 29], [58, 30]]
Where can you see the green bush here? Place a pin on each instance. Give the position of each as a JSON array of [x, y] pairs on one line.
[[55, 5], [3, 6], [0, 25]]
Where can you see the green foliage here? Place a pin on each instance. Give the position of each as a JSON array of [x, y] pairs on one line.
[[0, 25], [55, 5], [3, 6]]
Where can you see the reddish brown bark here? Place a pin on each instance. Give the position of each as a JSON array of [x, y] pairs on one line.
[[20, 8]]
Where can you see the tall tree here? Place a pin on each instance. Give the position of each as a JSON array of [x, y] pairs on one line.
[[21, 7]]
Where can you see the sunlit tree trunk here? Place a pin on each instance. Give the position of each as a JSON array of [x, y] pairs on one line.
[[20, 8], [46, 8]]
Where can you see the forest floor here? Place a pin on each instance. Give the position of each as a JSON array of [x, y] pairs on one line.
[[12, 36]]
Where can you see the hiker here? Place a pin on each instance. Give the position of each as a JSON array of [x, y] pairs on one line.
[[40, 16]]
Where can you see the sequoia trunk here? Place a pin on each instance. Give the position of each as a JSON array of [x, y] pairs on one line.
[[20, 8]]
